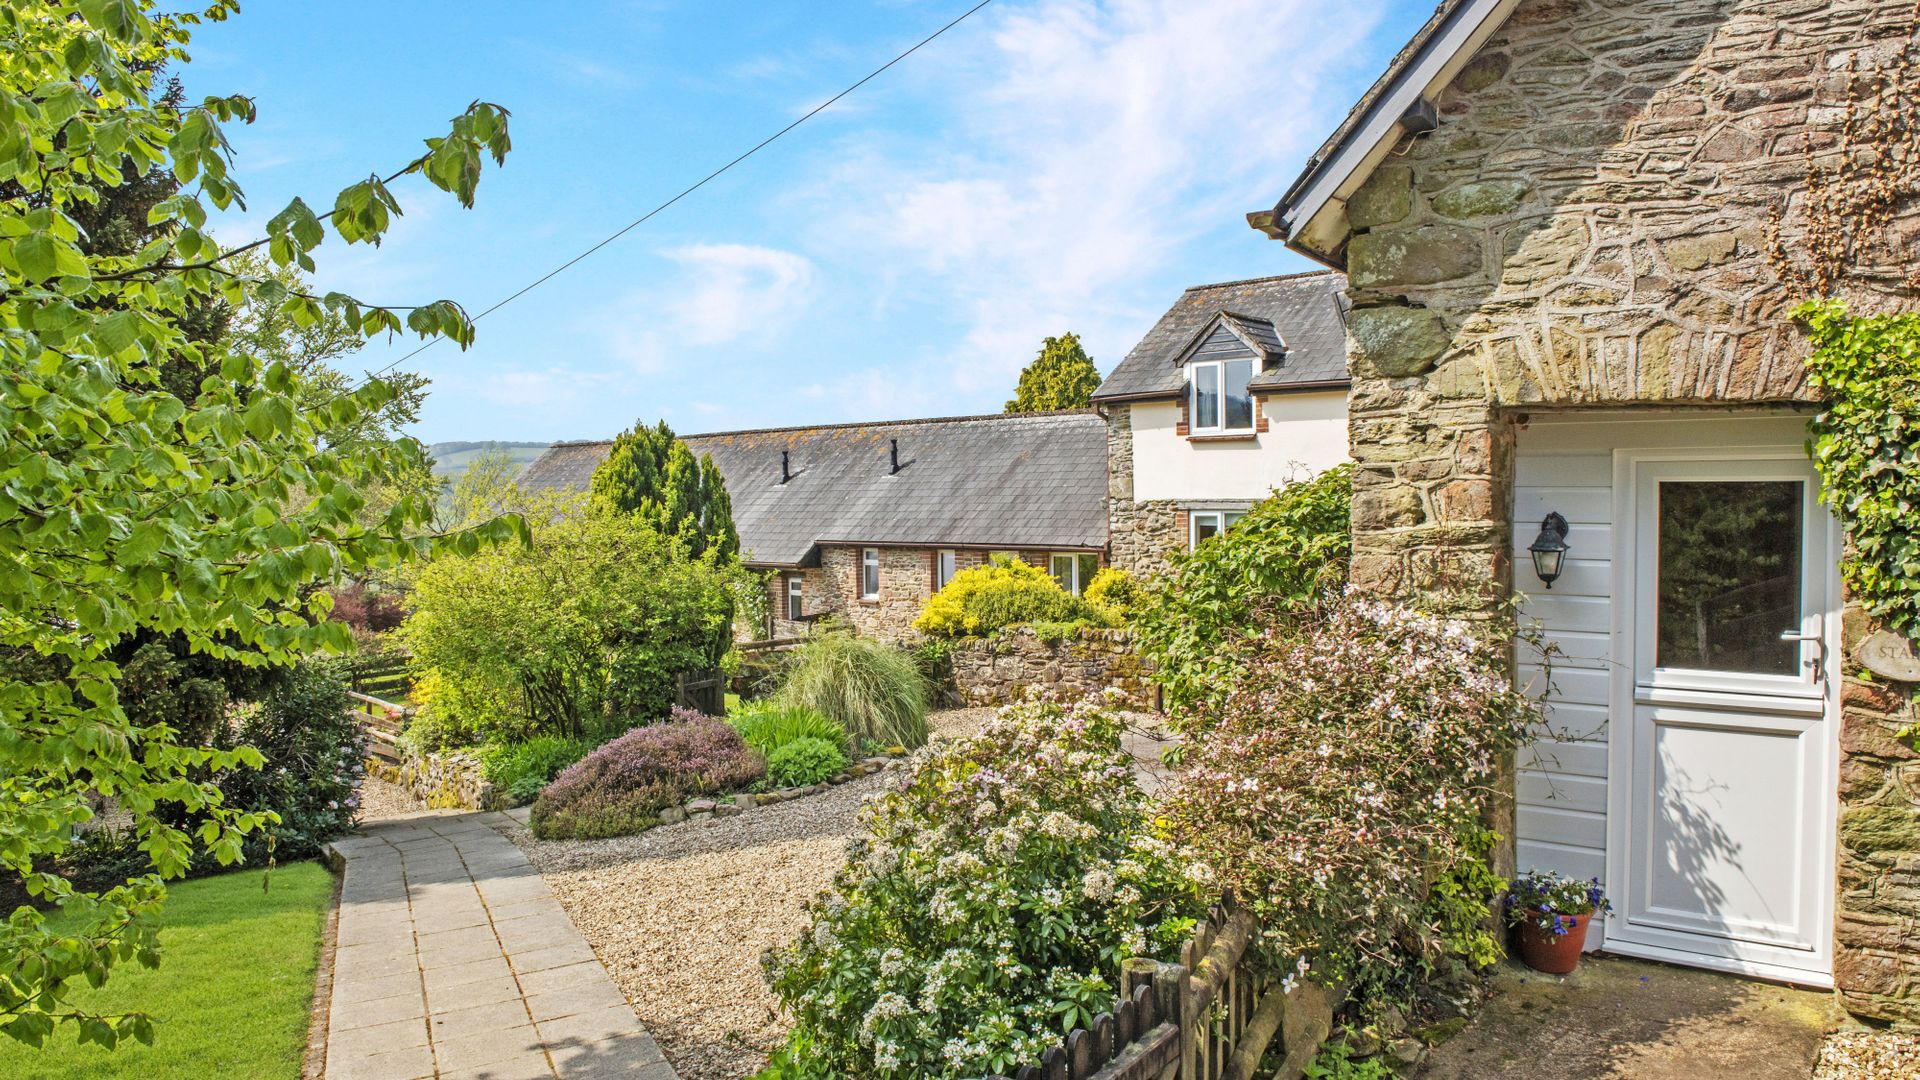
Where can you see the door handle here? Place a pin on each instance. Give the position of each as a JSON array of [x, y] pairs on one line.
[[1819, 662]]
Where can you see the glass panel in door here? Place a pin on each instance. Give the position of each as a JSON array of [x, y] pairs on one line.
[[1730, 573]]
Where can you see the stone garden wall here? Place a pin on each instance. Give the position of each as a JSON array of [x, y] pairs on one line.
[[994, 671], [1586, 228], [451, 781]]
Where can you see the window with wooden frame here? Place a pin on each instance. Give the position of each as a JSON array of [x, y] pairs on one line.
[[870, 574], [796, 608], [945, 565]]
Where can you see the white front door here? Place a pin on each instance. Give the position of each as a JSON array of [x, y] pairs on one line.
[[1721, 820]]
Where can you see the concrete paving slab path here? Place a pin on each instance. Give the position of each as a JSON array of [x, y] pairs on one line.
[[454, 960], [1621, 1019]]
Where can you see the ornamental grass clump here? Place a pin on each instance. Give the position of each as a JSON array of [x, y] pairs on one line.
[[622, 787], [987, 909], [1342, 789], [876, 693]]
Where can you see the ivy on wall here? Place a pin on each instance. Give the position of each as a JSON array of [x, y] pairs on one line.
[[1866, 446]]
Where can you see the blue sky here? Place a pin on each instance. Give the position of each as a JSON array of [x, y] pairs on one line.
[[1048, 165]]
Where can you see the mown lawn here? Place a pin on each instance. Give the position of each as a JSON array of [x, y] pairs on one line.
[[231, 995]]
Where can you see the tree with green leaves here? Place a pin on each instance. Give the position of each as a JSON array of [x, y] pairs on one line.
[[654, 476], [135, 503], [1061, 377]]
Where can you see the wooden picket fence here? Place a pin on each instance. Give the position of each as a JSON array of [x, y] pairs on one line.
[[1212, 1016], [383, 722]]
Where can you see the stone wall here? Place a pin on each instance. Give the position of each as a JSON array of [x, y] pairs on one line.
[[994, 671], [1586, 227], [1140, 535], [451, 781]]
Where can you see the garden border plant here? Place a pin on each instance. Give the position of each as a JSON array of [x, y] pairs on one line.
[[988, 908], [1342, 789]]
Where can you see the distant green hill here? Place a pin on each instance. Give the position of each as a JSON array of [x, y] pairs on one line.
[[450, 459]]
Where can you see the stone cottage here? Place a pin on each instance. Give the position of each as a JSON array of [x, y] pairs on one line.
[[1238, 389], [1553, 215], [862, 522]]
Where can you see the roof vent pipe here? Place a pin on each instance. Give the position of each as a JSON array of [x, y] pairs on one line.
[[896, 457], [786, 473]]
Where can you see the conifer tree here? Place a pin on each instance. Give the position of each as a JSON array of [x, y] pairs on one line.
[[1061, 377], [653, 475]]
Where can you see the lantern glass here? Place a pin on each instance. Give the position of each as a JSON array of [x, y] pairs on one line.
[[1549, 549]]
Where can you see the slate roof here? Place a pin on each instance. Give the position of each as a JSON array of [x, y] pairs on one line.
[[1028, 481], [1302, 313]]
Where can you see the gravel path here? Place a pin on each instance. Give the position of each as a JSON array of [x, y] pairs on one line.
[[1869, 1055], [380, 800], [681, 913]]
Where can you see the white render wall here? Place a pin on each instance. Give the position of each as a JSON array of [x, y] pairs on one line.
[[1564, 463], [1306, 435]]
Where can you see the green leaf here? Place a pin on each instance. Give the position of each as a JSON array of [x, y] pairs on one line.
[[37, 255]]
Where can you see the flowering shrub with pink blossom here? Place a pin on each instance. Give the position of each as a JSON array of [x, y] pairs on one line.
[[1343, 789], [622, 786], [987, 910]]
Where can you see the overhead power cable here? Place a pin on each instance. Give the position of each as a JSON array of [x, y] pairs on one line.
[[697, 185]]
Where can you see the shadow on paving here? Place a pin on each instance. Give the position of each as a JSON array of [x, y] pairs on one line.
[[1618, 1018]]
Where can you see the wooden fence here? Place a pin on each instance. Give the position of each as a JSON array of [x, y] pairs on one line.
[[383, 722], [382, 674], [1212, 1016]]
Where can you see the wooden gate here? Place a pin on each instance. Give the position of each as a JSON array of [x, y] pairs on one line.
[[702, 691], [383, 722]]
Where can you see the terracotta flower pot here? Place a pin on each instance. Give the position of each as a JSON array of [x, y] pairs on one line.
[[1544, 950]]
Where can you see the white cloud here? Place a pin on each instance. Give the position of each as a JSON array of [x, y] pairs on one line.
[[723, 294], [1076, 149]]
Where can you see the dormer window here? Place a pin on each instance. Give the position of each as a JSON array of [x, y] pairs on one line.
[[1222, 360], [1221, 403]]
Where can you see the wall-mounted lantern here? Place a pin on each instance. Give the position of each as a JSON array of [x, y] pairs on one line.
[[1550, 548]]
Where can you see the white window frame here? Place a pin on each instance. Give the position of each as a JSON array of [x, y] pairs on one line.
[[946, 563], [869, 573], [1219, 369], [796, 598], [1073, 584], [1222, 518]]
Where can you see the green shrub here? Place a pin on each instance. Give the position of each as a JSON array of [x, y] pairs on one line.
[[521, 769], [1289, 552], [873, 691], [987, 909], [934, 658], [1116, 592], [582, 631], [621, 787], [315, 754], [1343, 791], [804, 761], [768, 727], [1003, 593], [1339, 1061]]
